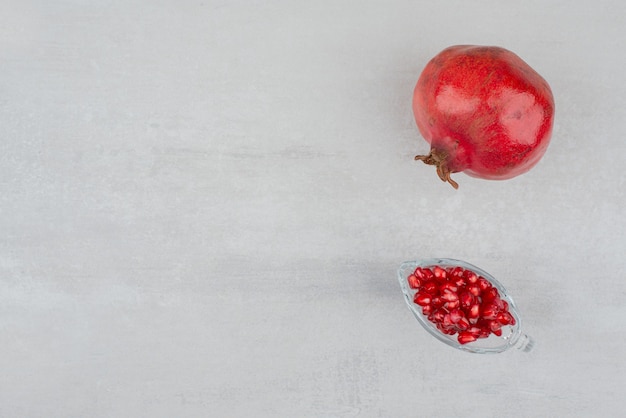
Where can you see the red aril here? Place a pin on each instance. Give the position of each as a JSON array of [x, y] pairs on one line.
[[484, 332], [489, 311], [495, 326], [449, 286], [490, 295], [483, 283], [456, 272], [440, 273], [420, 274], [456, 315], [430, 286], [449, 296], [470, 276], [463, 324], [437, 302], [474, 311], [474, 289], [467, 337], [505, 318], [460, 302], [414, 281], [452, 305], [484, 111], [466, 299], [422, 299]]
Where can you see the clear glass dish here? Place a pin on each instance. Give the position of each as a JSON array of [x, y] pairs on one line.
[[512, 335]]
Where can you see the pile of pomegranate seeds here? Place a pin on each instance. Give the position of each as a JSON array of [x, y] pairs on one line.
[[459, 301]]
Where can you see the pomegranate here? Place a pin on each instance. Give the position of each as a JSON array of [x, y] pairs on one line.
[[457, 300], [484, 111]]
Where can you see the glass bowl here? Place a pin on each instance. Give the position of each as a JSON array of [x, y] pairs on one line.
[[512, 335]]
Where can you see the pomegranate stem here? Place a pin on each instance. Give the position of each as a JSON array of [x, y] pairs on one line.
[[438, 158]]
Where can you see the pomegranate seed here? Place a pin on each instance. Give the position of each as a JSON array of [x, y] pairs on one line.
[[474, 330], [448, 286], [422, 298], [449, 331], [456, 277], [438, 315], [466, 299], [494, 326], [490, 294], [474, 289], [505, 318], [449, 296], [466, 337], [419, 273], [470, 276], [427, 310], [497, 332], [484, 332], [489, 311], [456, 315], [452, 305], [483, 283], [414, 282], [456, 273], [463, 324], [505, 305], [446, 329], [430, 286], [439, 272], [447, 320], [437, 302], [474, 311]]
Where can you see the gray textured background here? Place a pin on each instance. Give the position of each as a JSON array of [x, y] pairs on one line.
[[204, 203]]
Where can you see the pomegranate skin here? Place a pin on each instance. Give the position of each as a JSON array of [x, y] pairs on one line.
[[484, 111]]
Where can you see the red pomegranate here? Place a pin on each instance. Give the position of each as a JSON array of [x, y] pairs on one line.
[[484, 111]]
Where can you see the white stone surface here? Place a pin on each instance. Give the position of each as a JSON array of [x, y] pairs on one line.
[[203, 205]]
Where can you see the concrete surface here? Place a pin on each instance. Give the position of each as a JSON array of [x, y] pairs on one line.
[[204, 203]]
